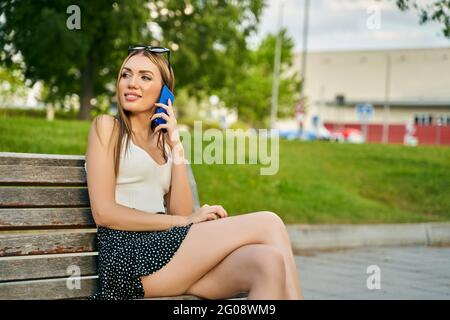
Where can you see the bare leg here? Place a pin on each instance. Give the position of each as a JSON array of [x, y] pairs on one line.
[[255, 268], [208, 243], [279, 238]]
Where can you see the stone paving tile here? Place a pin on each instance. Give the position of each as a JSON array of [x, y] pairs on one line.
[[413, 272]]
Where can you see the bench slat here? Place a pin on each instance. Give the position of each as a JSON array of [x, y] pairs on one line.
[[47, 266], [47, 242], [58, 289], [41, 175], [15, 218], [43, 197], [41, 159], [47, 289]]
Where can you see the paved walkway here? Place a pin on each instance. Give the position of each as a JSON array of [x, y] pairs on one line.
[[416, 272]]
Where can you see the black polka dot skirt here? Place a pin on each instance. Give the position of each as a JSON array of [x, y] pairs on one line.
[[125, 256]]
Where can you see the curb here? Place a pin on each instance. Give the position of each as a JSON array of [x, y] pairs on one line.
[[307, 237]]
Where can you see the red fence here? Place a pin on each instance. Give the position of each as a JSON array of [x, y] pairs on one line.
[[437, 135]]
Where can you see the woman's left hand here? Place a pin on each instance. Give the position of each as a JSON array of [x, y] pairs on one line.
[[170, 125]]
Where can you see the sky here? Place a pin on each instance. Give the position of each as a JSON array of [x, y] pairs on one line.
[[351, 25]]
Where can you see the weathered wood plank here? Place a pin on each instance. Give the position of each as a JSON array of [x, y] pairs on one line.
[[41, 175], [47, 242], [21, 218], [44, 197], [48, 289], [47, 266], [41, 159], [60, 289]]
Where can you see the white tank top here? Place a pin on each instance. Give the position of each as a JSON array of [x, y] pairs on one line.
[[141, 181]]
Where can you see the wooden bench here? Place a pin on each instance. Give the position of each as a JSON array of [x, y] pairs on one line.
[[47, 233]]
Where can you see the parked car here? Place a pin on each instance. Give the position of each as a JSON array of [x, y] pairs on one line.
[[321, 134], [350, 135]]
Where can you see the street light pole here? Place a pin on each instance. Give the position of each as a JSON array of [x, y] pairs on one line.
[[276, 69], [305, 47], [387, 85]]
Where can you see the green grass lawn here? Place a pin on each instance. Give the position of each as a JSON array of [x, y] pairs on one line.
[[317, 182]]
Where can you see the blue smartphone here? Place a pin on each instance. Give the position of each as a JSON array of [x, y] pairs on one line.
[[164, 96]]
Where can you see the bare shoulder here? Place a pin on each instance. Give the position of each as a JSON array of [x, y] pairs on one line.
[[105, 122], [104, 126]]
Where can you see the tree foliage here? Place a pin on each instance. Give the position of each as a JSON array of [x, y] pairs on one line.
[[438, 11], [207, 39], [251, 95]]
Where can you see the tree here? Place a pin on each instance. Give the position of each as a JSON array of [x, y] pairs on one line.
[[436, 11], [251, 93], [212, 41], [11, 86], [206, 37], [69, 61]]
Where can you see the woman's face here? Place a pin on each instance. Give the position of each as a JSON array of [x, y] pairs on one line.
[[139, 85]]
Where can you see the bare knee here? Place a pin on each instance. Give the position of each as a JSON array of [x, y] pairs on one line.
[[272, 219], [272, 223], [269, 267]]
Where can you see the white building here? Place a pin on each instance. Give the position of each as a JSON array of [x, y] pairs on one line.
[[414, 83]]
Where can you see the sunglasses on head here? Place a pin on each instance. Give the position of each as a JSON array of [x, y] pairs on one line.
[[150, 49]]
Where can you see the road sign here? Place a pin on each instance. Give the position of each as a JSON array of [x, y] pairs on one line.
[[364, 111]]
